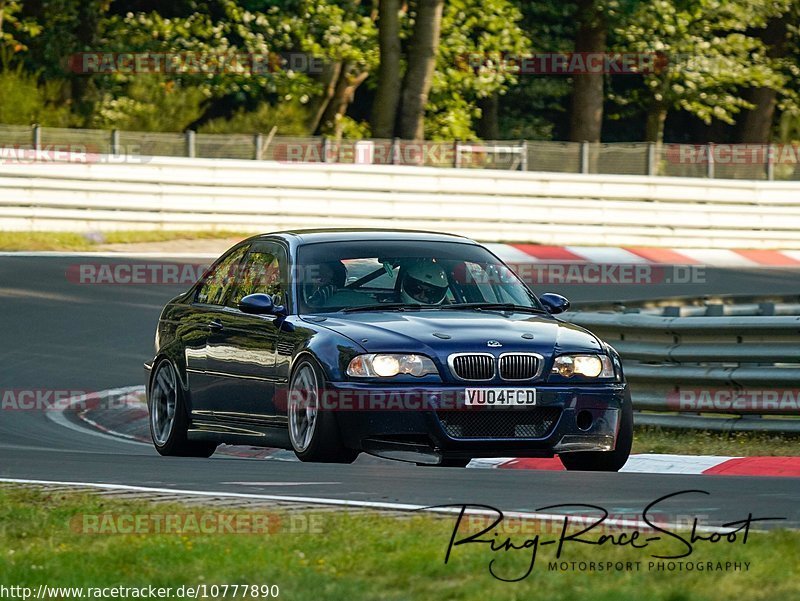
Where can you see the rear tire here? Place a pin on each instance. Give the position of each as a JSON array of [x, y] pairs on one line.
[[169, 425], [605, 461], [313, 430]]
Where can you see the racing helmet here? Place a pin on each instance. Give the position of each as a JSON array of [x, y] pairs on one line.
[[424, 282]]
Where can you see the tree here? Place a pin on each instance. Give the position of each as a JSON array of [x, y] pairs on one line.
[[11, 25], [213, 32], [756, 127], [422, 51], [479, 52], [537, 106], [586, 116], [709, 57], [387, 95], [342, 34]]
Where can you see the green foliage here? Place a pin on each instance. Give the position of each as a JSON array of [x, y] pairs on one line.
[[150, 104], [335, 30], [712, 49], [239, 33], [25, 101], [289, 117], [485, 30], [353, 130], [710, 54], [14, 26], [532, 108]]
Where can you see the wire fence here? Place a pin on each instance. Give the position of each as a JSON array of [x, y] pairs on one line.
[[720, 161]]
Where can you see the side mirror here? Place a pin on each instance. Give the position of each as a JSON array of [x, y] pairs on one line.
[[260, 304], [554, 303]]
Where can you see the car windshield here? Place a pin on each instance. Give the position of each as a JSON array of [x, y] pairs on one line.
[[340, 276]]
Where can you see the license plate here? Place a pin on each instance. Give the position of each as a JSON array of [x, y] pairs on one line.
[[500, 397]]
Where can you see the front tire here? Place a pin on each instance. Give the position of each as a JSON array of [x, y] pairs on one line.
[[169, 424], [605, 461], [313, 431]]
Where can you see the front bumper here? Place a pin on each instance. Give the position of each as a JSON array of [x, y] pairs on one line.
[[564, 419]]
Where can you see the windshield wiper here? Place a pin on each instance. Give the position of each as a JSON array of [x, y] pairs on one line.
[[386, 307], [498, 307], [461, 306]]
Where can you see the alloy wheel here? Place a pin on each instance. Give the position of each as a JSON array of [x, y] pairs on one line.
[[303, 408], [164, 402]]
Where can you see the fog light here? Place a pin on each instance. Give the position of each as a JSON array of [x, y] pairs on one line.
[[584, 420]]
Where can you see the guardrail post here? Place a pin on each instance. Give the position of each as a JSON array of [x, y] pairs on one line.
[[456, 155], [770, 164], [36, 134], [584, 158], [325, 150], [258, 144], [710, 171], [191, 150], [115, 150], [523, 160], [395, 151], [651, 158]]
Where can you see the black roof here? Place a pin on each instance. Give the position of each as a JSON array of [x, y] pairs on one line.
[[310, 236]]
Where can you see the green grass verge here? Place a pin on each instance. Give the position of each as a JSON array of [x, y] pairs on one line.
[[66, 241], [357, 557], [689, 442]]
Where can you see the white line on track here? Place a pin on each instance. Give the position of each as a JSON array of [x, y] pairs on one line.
[[447, 510], [278, 483]]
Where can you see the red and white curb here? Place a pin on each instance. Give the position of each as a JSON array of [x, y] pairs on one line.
[[536, 253], [605, 255], [641, 463], [668, 464]]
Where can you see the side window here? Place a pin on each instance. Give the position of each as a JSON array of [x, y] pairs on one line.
[[221, 279], [263, 273]]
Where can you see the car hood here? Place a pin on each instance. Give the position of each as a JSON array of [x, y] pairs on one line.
[[444, 332]]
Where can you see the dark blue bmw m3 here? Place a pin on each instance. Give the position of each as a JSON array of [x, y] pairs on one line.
[[415, 346]]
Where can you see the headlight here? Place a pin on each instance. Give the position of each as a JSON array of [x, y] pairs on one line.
[[387, 366], [591, 366]]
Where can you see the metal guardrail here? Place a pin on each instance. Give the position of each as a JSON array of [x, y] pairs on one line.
[[719, 372], [488, 205], [712, 161]]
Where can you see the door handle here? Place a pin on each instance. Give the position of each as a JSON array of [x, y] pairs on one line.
[[214, 326]]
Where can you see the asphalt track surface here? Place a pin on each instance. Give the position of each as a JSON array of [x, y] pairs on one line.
[[59, 335]]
